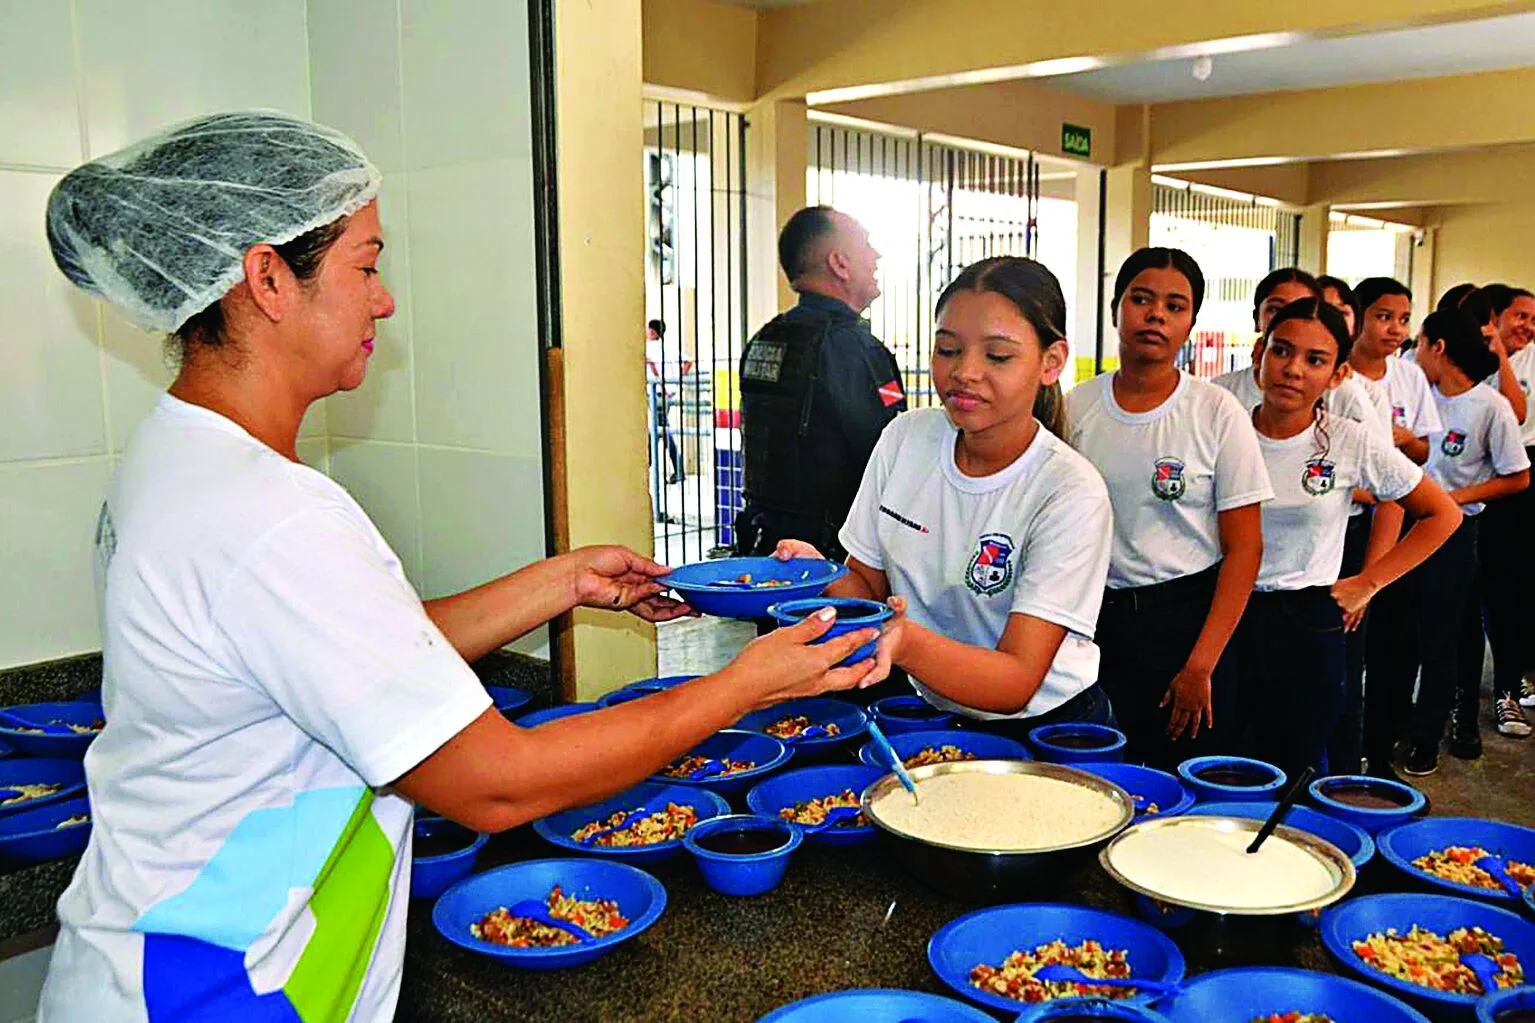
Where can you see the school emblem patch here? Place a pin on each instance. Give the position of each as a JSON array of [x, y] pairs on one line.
[[991, 566], [1454, 442], [1167, 480], [1399, 415], [1318, 477]]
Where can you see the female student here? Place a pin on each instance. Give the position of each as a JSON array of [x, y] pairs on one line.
[[1186, 480], [979, 524], [1290, 643]]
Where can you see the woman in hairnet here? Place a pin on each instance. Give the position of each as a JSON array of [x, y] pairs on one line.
[[277, 695]]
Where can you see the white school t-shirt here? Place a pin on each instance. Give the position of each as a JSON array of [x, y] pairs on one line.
[[1313, 474], [267, 669], [1170, 473], [1412, 400], [1379, 399], [966, 551], [1479, 439], [1523, 363]]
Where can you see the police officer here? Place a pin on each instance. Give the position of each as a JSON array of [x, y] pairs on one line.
[[816, 388]]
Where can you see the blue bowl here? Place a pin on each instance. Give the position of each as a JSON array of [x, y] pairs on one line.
[[743, 873], [1051, 743], [1267, 780], [983, 745], [28, 771], [1406, 842], [897, 715], [640, 897], [1489, 1007], [1372, 821], [37, 745], [806, 783], [33, 836], [991, 935], [1070, 1010], [733, 744], [1358, 918], [853, 613], [697, 584], [820, 710], [1171, 795], [1351, 841], [876, 1005], [557, 828], [1257, 992], [508, 700], [644, 687], [564, 710], [430, 876]]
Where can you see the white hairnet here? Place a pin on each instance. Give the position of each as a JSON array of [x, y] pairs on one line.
[[160, 229]]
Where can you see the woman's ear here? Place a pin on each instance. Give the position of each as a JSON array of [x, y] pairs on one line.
[[1053, 363]]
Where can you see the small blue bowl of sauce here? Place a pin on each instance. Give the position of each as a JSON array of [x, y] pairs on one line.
[[743, 853]]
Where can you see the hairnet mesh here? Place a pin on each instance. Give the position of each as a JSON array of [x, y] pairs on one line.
[[160, 229]]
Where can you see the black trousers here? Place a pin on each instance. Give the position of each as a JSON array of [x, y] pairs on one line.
[[1090, 706], [1506, 543], [1391, 665], [1291, 653], [1146, 634], [1345, 749]]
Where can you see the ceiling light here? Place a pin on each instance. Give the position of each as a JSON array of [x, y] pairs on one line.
[[1202, 68]]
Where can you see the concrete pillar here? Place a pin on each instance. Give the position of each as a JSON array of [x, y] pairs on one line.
[[1085, 302], [777, 147], [1425, 283], [1127, 228], [1315, 223]]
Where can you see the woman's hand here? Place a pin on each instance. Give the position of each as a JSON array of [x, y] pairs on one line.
[[787, 550], [1353, 597], [784, 665], [1189, 694], [895, 632], [617, 579]]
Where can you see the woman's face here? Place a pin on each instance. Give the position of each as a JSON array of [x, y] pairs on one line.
[[334, 325], [988, 364], [1332, 298], [1300, 364], [1385, 325], [1155, 316], [1430, 358], [1277, 299], [1517, 324]]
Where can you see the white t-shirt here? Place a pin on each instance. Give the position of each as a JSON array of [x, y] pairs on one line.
[[1379, 399], [966, 552], [1305, 523], [1412, 400], [267, 670], [1523, 363], [1170, 473], [1479, 440]]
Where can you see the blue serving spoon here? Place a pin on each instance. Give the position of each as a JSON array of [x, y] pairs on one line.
[[14, 721], [638, 813], [709, 769], [883, 745], [532, 909], [1070, 975], [1486, 969], [835, 816], [7, 794], [1494, 866]]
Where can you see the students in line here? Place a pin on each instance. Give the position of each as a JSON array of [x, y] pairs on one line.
[[1477, 306], [980, 524], [1291, 642], [1186, 481]]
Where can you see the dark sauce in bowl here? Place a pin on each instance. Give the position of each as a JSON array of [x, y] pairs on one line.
[[1366, 797], [1233, 776], [441, 839], [1077, 740], [907, 711], [744, 841], [1520, 1015]]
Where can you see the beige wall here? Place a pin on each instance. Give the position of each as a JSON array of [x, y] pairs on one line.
[[1484, 244], [701, 46]]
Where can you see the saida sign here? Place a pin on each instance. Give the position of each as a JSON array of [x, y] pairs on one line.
[[1076, 140]]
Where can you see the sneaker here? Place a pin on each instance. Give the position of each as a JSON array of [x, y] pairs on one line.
[[1422, 759], [1511, 719], [1465, 745], [1526, 693]]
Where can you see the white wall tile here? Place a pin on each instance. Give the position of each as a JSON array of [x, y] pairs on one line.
[[50, 365], [383, 479], [467, 86], [48, 517], [39, 112], [148, 65], [474, 323], [354, 71], [481, 517], [138, 370]]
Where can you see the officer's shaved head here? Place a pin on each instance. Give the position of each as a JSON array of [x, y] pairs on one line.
[[807, 231], [829, 252]]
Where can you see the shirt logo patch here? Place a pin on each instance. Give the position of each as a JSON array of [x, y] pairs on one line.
[[991, 566], [890, 394], [1318, 477], [1399, 415], [1167, 480], [1454, 442]]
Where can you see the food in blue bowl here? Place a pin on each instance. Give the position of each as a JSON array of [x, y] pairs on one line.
[[918, 749], [1373, 804], [1269, 993], [52, 729], [1442, 852], [743, 853], [853, 613], [615, 901], [746, 587], [27, 783], [897, 715], [46, 832], [644, 687], [564, 710], [509, 700], [987, 955], [441, 854], [876, 1005], [644, 824], [1231, 779], [1515, 1005], [1411, 945], [1351, 841], [1077, 742], [812, 727], [1090, 1010], [1156, 793], [727, 762], [806, 794]]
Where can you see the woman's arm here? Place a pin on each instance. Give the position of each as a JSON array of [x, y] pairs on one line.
[[1415, 448], [1508, 383], [861, 581], [1385, 530], [1491, 490], [1001, 681], [1437, 518]]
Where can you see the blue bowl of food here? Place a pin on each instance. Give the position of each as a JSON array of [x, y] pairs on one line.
[[897, 715], [442, 853], [46, 832], [1351, 841], [1094, 940], [1156, 793], [644, 687], [51, 729], [918, 749], [853, 613], [805, 794], [746, 587], [812, 727], [1508, 1006], [1077, 742], [1373, 804], [1441, 852], [508, 700], [744, 758], [743, 853], [27, 783], [1372, 936], [1090, 1010], [548, 714], [1265, 993], [651, 837], [1231, 779], [615, 901], [876, 1005]]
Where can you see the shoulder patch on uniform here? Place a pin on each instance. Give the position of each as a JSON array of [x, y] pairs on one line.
[[764, 361], [890, 394]]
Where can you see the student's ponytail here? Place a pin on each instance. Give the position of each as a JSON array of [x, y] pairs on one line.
[[1050, 409]]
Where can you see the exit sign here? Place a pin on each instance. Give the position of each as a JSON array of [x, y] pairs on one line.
[[1076, 140]]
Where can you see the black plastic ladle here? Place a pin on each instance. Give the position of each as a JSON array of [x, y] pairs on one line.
[[1283, 808]]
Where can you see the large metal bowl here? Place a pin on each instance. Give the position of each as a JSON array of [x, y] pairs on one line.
[[993, 875]]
